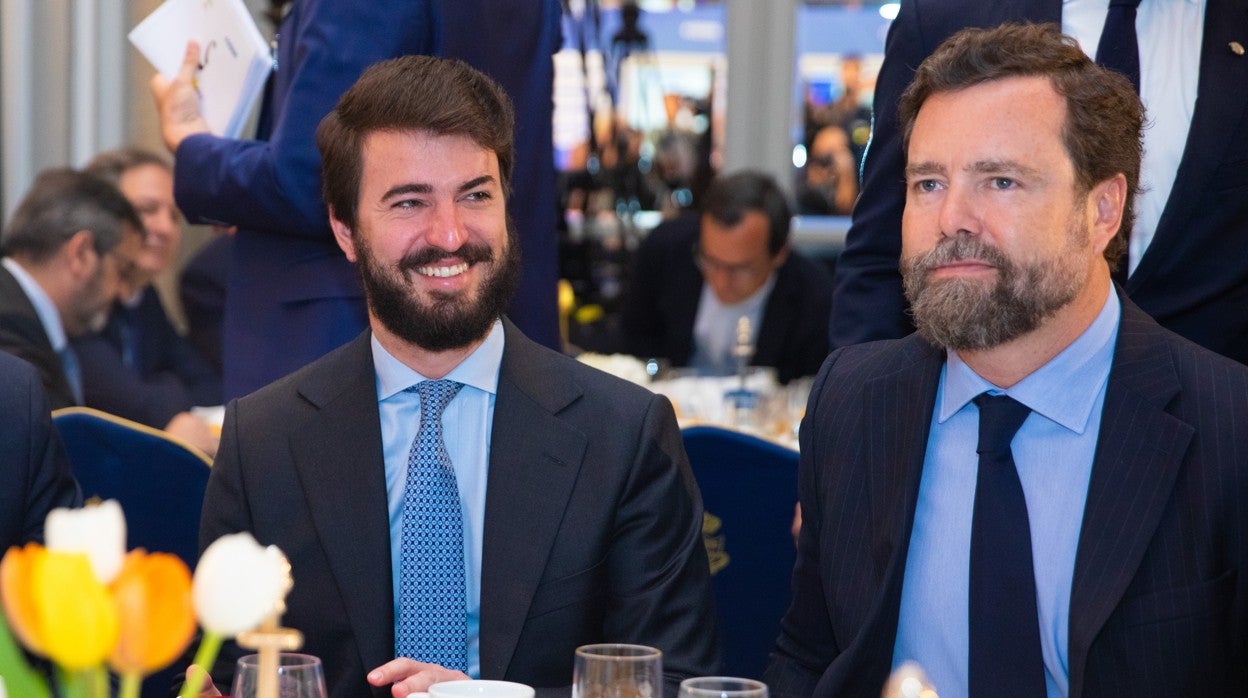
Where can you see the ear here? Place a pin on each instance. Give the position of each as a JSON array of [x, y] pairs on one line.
[[343, 236], [781, 256], [79, 254], [1107, 200]]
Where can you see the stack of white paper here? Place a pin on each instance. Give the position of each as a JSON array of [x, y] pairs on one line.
[[234, 57]]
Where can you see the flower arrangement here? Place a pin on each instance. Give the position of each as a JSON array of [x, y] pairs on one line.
[[89, 607]]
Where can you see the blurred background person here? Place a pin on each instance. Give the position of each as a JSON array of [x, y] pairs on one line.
[[829, 182], [67, 249], [292, 296], [137, 366], [693, 278], [202, 288]]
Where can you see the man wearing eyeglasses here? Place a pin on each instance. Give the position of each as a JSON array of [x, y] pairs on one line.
[[695, 277]]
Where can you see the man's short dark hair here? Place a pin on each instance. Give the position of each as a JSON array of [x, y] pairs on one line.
[[61, 203], [1103, 112], [110, 165], [411, 93], [729, 197]]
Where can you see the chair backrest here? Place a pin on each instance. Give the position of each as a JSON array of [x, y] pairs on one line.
[[159, 480], [749, 489]]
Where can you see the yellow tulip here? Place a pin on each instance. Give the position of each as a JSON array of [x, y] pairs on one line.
[[57, 607], [153, 595]]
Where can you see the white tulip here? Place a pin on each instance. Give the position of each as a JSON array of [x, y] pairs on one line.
[[239, 583], [99, 530]]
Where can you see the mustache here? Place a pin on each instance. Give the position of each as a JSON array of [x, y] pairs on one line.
[[468, 252], [959, 248]]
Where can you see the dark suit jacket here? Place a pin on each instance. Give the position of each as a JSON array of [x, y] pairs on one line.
[[22, 335], [201, 286], [34, 467], [665, 288], [292, 294], [592, 525], [165, 378], [1193, 278], [1159, 599]]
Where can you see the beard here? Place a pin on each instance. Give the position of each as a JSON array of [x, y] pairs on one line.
[[972, 314], [447, 320]]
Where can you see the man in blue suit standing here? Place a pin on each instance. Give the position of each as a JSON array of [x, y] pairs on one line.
[[1042, 492], [1186, 265], [292, 296]]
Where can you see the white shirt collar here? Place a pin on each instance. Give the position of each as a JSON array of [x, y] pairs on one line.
[[49, 316]]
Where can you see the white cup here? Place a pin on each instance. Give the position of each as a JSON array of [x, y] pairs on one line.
[[476, 689]]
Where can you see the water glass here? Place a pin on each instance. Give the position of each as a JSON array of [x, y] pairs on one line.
[[722, 687], [617, 671], [298, 676]]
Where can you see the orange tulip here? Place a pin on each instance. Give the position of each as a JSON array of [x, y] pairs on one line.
[[57, 607], [15, 591], [153, 595]]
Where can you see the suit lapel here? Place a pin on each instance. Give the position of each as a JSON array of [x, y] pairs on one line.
[[534, 462], [898, 408], [337, 455], [1221, 100], [1131, 481]]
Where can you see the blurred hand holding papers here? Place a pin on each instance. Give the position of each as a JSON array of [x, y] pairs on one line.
[[234, 58]]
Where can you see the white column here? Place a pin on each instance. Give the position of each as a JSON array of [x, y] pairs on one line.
[[760, 46]]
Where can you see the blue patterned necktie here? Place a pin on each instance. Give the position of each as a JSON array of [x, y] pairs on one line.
[[73, 372], [433, 611], [1005, 654]]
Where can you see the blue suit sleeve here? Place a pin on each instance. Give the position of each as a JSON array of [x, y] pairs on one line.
[[868, 303], [274, 185]]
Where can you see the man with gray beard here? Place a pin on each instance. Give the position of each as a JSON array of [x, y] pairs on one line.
[[1041, 492]]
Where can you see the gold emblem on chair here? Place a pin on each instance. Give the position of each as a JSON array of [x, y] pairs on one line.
[[716, 551]]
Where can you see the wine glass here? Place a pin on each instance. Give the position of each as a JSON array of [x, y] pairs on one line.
[[298, 676], [617, 671], [722, 687]]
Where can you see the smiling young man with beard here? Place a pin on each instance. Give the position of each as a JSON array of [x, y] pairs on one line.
[[551, 505], [1041, 492]]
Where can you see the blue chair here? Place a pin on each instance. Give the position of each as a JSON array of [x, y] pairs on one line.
[[749, 488], [158, 479]]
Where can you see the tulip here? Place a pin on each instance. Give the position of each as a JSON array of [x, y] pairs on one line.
[[99, 530], [238, 585], [153, 596]]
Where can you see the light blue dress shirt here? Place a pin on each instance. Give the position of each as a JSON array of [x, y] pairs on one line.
[[715, 329], [1053, 452], [466, 427]]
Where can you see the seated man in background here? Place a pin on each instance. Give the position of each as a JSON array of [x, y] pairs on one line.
[[456, 500], [138, 366], [693, 278], [1042, 492], [67, 248], [33, 466]]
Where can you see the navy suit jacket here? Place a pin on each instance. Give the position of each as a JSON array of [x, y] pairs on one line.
[[33, 464], [665, 289], [1193, 278], [1159, 598], [22, 335], [165, 376], [592, 518], [292, 294]]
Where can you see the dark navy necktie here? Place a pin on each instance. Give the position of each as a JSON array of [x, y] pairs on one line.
[[1005, 655], [1119, 49], [433, 608]]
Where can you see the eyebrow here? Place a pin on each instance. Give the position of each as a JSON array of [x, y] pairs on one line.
[[979, 166], [420, 188]]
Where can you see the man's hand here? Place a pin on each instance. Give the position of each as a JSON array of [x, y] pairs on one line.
[[195, 431], [177, 101], [411, 676]]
